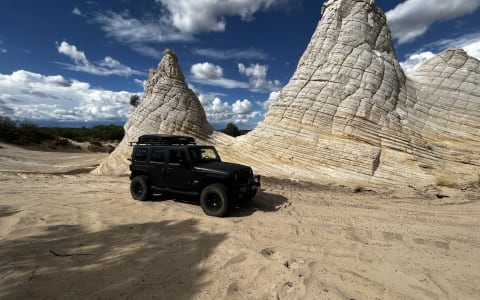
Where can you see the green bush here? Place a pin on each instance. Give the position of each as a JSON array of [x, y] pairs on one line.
[[231, 130], [8, 129]]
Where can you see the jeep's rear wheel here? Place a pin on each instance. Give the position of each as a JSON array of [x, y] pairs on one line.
[[214, 200], [139, 188]]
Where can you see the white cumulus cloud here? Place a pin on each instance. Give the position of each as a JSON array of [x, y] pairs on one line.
[[31, 96], [2, 50], [210, 74], [473, 49], [412, 18], [76, 11], [193, 16], [72, 52], [242, 107], [127, 29], [229, 54], [108, 66], [257, 75], [217, 106], [268, 103], [178, 20], [469, 42], [220, 113], [206, 71], [415, 60]]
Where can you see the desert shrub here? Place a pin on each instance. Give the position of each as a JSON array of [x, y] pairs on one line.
[[83, 134], [62, 142], [134, 100], [23, 134], [32, 134], [95, 146], [8, 129], [232, 130]]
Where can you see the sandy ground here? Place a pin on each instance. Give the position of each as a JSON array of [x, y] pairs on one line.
[[73, 235]]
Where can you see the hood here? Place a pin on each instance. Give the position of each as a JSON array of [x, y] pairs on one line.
[[221, 167]]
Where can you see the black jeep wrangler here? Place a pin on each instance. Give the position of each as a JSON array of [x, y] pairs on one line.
[[176, 164]]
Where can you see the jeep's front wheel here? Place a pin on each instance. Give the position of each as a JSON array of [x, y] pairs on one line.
[[139, 188], [214, 200]]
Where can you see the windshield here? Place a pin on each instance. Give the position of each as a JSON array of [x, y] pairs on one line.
[[203, 154]]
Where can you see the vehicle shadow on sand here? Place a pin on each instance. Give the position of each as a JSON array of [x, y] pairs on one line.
[[263, 201]]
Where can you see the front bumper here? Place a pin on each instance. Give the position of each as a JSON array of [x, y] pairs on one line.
[[247, 190]]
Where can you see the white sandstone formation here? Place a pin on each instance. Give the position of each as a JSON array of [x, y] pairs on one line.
[[447, 113], [340, 107], [348, 113], [168, 106]]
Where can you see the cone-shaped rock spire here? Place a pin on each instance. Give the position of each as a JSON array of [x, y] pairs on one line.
[[350, 111], [168, 106], [343, 94]]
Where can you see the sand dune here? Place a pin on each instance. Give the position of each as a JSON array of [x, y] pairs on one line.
[[82, 236]]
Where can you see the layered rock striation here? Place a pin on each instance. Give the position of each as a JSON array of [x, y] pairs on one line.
[[349, 113], [341, 103]]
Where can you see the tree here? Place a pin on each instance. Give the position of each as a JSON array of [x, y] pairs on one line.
[[8, 129], [232, 130], [134, 100]]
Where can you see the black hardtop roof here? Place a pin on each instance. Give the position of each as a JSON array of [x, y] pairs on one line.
[[164, 139]]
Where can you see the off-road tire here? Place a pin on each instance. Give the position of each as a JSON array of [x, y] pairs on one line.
[[214, 200], [140, 189]]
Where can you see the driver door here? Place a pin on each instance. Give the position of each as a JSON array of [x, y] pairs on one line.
[[179, 170]]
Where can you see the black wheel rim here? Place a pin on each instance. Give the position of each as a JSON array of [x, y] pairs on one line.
[[138, 189], [213, 202]]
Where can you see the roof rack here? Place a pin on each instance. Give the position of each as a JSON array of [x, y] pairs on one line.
[[162, 139]]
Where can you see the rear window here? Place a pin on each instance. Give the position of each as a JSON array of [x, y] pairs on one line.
[[141, 154], [158, 155], [177, 156]]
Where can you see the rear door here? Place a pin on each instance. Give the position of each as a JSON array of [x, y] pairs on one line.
[[140, 159], [158, 166]]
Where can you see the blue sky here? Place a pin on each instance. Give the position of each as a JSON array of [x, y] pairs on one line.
[[77, 62]]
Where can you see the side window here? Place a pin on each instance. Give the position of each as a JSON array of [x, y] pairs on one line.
[[177, 156], [141, 154], [157, 155]]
